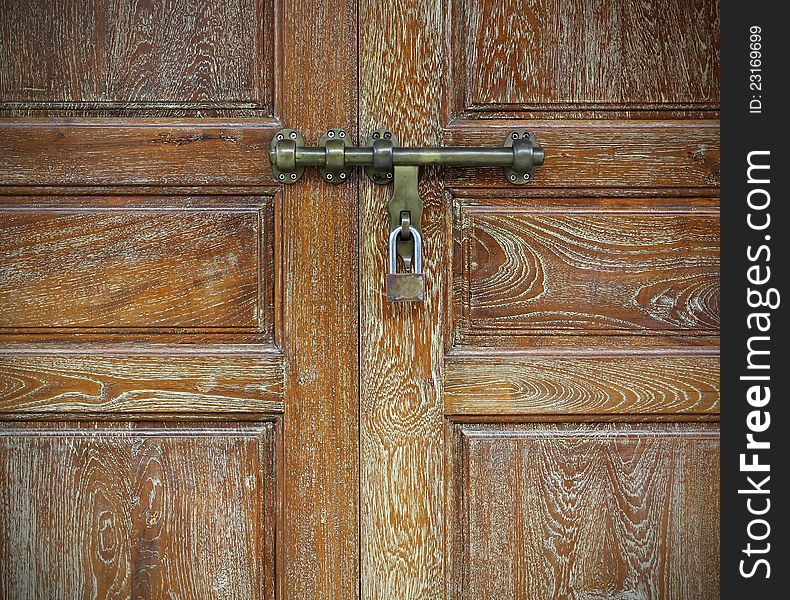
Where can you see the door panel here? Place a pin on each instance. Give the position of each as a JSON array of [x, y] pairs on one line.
[[586, 511], [162, 292], [202, 155], [588, 270], [204, 58], [600, 157], [568, 384], [128, 263], [130, 510], [131, 381], [582, 56], [545, 425]]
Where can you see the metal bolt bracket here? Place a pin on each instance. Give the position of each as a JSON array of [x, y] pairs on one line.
[[526, 157], [282, 155], [381, 170], [335, 169], [518, 156]]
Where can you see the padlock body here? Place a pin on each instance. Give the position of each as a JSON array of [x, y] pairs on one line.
[[405, 287]]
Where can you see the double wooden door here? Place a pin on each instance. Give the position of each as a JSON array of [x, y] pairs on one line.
[[203, 390]]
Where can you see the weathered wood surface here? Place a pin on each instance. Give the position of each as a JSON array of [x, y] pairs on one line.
[[303, 66], [124, 57], [624, 384], [191, 280], [592, 270], [104, 152], [96, 383], [320, 245], [182, 264], [402, 445], [589, 154], [137, 511], [580, 154], [470, 90], [580, 55], [586, 511]]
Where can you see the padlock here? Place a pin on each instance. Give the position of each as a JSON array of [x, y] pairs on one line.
[[405, 287]]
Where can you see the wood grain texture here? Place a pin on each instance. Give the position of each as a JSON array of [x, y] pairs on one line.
[[592, 270], [402, 455], [580, 154], [129, 384], [586, 511], [316, 288], [320, 245], [183, 264], [102, 152], [360, 383], [124, 57], [137, 510], [577, 385], [592, 154], [580, 55]]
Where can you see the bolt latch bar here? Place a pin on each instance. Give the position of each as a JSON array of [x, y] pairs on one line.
[[386, 161], [518, 156]]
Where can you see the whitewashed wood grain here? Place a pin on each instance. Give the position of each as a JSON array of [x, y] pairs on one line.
[[121, 511], [588, 511], [122, 383], [606, 53], [402, 455], [123, 267], [589, 271], [193, 58], [623, 384]]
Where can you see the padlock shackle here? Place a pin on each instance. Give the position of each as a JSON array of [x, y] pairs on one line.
[[393, 257]]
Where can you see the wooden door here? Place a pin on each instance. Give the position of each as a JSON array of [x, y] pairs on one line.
[[178, 358], [545, 425], [203, 391]]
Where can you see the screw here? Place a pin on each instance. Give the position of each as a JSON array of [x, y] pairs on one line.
[[526, 135], [329, 176], [281, 176], [342, 175], [389, 175], [292, 135], [526, 176], [293, 176], [342, 134], [280, 136], [515, 135], [330, 134], [376, 177], [376, 135], [513, 178], [387, 135]]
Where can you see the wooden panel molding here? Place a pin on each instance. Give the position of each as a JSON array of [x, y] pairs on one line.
[[320, 312], [579, 154], [130, 264], [585, 57], [402, 449], [526, 495], [593, 270], [136, 152], [124, 57], [589, 155], [137, 510], [130, 382], [581, 384]]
